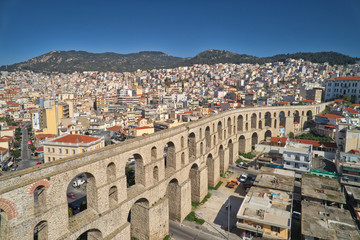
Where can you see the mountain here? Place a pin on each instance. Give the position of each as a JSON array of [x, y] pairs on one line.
[[71, 61]]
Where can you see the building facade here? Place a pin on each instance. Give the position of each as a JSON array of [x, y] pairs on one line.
[[337, 87]]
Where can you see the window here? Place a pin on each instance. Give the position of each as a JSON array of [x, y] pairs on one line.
[[275, 229], [53, 150], [67, 151], [73, 151], [49, 159], [59, 150], [48, 149], [53, 158]]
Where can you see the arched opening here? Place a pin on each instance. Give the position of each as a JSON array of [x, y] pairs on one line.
[[253, 120], [267, 119], [174, 197], [302, 113], [138, 219], [289, 113], [153, 154], [296, 117], [219, 130], [41, 231], [309, 123], [214, 140], [208, 139], [156, 173], [3, 224], [240, 123], [111, 172], [229, 126], [113, 196], [222, 159], [134, 171], [267, 135], [242, 144], [92, 234], [274, 114], [201, 148], [260, 124], [39, 199], [169, 155], [192, 146], [182, 142], [282, 119], [254, 139], [231, 152], [211, 170], [200, 130], [275, 123], [309, 115], [260, 115], [182, 159], [81, 194], [247, 126], [195, 183]]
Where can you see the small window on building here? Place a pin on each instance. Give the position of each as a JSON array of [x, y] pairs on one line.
[[275, 229], [48, 149], [53, 149], [73, 151], [53, 158], [67, 151], [49, 159], [83, 150], [60, 150]]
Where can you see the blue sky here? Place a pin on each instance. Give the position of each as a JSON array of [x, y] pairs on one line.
[[29, 28]]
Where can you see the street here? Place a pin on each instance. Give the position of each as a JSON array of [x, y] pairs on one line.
[[181, 232], [26, 159]]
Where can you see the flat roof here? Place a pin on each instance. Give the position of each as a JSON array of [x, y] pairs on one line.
[[325, 222], [276, 178], [323, 188], [267, 206], [354, 191]]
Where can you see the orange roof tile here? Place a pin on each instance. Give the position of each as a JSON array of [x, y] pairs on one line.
[[350, 110], [312, 142], [76, 138], [343, 78], [114, 128], [328, 115]]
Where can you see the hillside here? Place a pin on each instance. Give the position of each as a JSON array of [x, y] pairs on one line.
[[71, 61]]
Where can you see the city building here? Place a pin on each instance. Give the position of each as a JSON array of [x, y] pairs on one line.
[[69, 145], [348, 166], [297, 156], [337, 87]]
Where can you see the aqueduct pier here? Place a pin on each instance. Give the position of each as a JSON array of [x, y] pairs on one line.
[[172, 168]]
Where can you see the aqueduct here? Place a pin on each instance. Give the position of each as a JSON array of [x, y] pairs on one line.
[[34, 204]]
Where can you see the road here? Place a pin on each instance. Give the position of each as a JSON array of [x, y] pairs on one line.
[[26, 159], [181, 232]]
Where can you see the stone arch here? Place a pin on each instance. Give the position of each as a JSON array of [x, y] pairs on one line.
[[214, 140], [210, 163], [170, 155], [282, 119], [275, 123], [254, 139], [260, 124], [267, 134], [259, 115], [41, 231], [9, 208], [32, 187], [229, 126], [274, 114], [182, 159], [174, 197], [242, 144], [4, 228], [39, 199], [182, 142], [154, 153], [156, 173], [222, 159], [213, 127], [231, 151], [253, 121], [240, 123], [247, 118], [219, 130], [194, 177], [267, 119], [139, 170], [91, 234], [296, 116], [201, 148], [247, 126], [309, 115], [200, 130], [192, 146], [113, 196], [208, 138], [111, 172], [302, 113], [309, 123], [289, 113], [138, 219], [85, 182]]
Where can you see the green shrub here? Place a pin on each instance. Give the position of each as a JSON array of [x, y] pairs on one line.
[[248, 155], [216, 187]]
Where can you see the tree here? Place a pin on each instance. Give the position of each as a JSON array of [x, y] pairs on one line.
[[291, 135], [16, 153]]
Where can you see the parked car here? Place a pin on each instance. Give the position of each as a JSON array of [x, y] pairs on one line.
[[243, 178], [296, 215], [71, 195], [242, 165], [38, 163], [232, 184]]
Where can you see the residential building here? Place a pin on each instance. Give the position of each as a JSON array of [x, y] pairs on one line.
[[348, 166], [69, 145], [337, 87], [297, 156]]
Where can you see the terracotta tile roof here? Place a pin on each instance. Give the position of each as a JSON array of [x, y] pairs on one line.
[[3, 150], [114, 128], [43, 136], [340, 101], [145, 127], [355, 105], [312, 142], [328, 115], [350, 110], [308, 100], [76, 138], [343, 78]]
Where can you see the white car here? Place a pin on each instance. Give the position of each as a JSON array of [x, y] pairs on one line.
[[243, 178], [78, 183]]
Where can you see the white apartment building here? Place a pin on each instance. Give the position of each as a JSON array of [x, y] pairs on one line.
[[297, 156], [337, 87]]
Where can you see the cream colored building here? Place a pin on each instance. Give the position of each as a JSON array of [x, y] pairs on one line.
[[69, 145]]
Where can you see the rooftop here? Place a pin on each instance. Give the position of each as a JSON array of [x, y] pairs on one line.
[[323, 188], [75, 138], [354, 191], [327, 222], [275, 178], [267, 206], [343, 78]]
